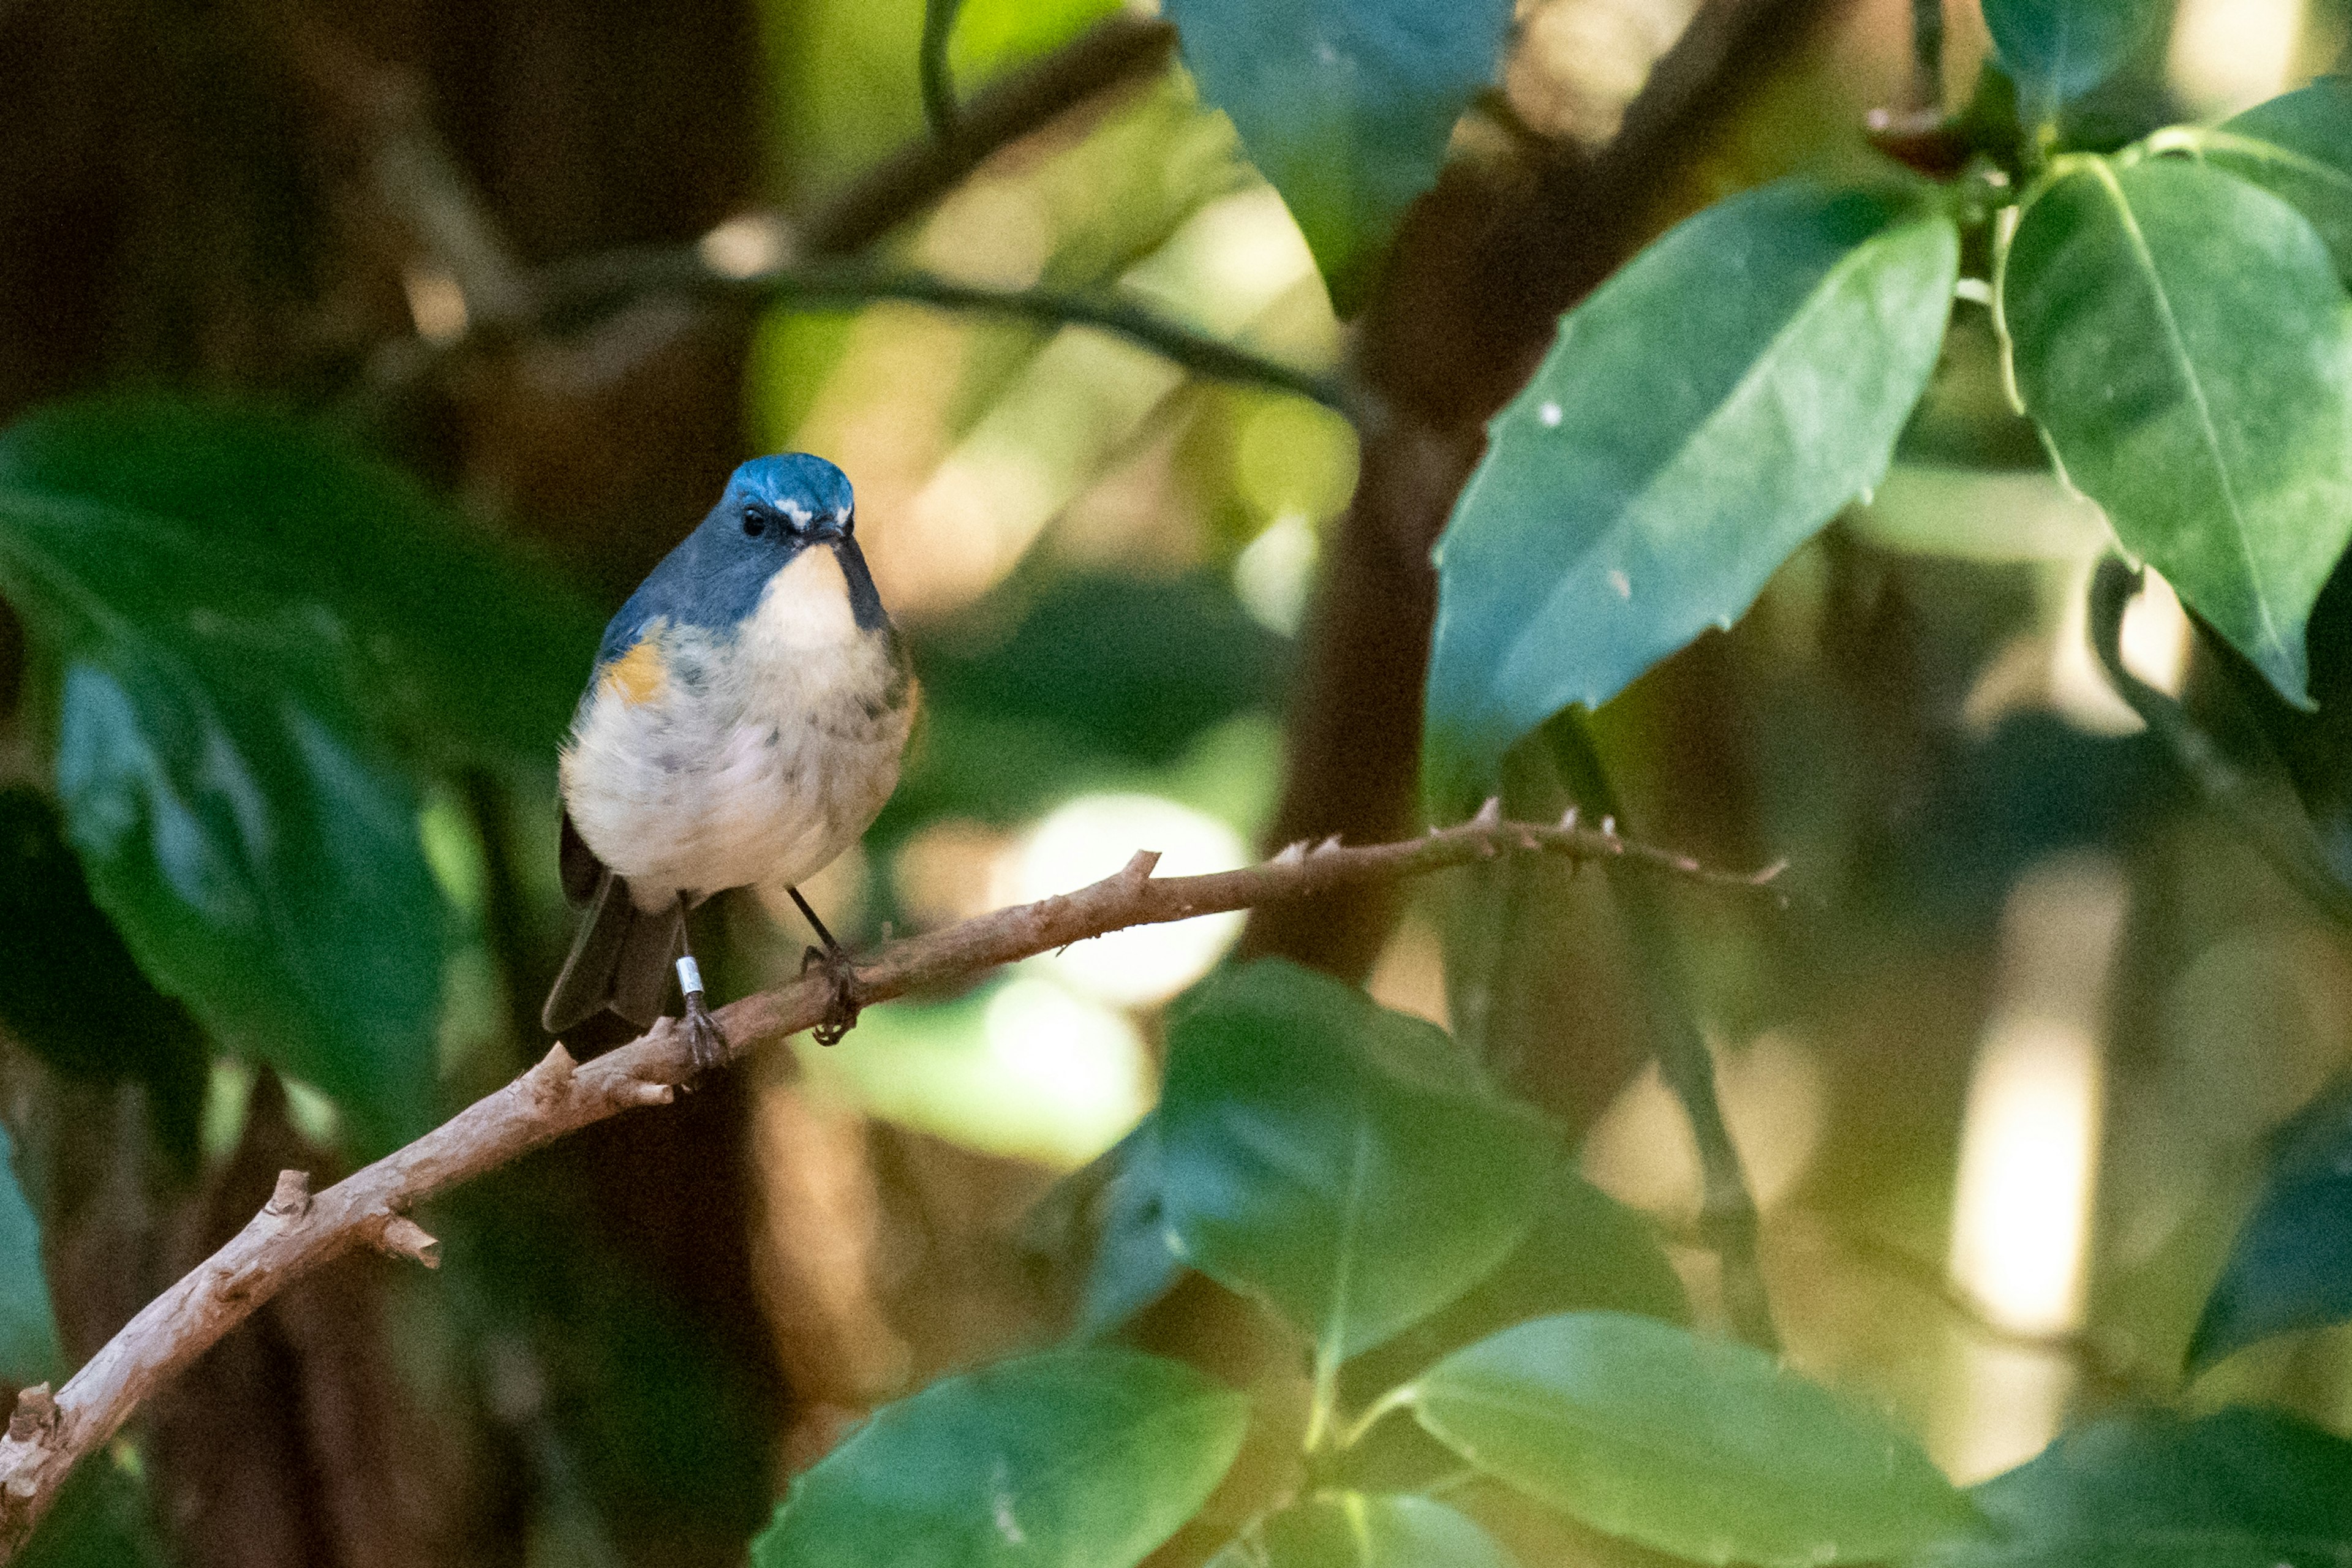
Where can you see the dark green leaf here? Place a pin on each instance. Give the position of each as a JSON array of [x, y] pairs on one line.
[[29, 1333], [1084, 1458], [1356, 1530], [70, 990], [228, 687], [2292, 1265], [1345, 105], [1701, 1448], [460, 644], [1585, 1251], [2182, 340], [100, 1521], [1701, 416], [2298, 147], [2240, 1489], [1135, 1262], [2059, 49], [1348, 1164]]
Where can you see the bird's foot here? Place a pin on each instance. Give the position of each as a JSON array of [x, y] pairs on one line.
[[841, 1016], [706, 1046]]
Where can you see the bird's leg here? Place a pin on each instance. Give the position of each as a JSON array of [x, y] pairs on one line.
[[834, 959], [706, 1046]]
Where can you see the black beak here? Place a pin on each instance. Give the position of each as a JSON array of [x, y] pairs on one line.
[[865, 604]]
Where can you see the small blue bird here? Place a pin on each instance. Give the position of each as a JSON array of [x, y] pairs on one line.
[[742, 727]]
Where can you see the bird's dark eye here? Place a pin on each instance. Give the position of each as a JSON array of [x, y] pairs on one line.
[[755, 524]]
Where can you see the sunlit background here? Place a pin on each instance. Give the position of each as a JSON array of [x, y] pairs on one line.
[[2000, 1073]]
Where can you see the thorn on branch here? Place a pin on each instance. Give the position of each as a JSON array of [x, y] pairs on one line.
[[1489, 814], [1295, 852], [404, 1237], [1326, 846], [36, 1417], [549, 1081], [642, 1091], [292, 1198], [1139, 868]]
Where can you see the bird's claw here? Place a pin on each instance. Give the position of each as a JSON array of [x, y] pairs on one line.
[[706, 1046], [840, 1015]]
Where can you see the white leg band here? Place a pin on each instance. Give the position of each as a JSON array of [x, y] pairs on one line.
[[689, 976]]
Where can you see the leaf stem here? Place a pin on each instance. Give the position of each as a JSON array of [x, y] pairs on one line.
[[1727, 1218], [939, 107], [1396, 1398]]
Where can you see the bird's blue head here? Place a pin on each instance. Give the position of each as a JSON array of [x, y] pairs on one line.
[[773, 510], [791, 493]]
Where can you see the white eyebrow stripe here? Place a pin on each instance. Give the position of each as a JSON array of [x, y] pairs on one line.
[[794, 510]]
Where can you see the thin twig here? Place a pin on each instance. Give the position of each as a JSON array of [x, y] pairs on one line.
[[593, 286], [1727, 1216], [939, 84], [299, 1231]]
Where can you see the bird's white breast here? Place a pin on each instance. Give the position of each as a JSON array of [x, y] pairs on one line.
[[750, 758]]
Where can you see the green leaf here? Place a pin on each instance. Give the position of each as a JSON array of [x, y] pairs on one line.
[[71, 992], [1359, 1529], [2291, 1267], [455, 640], [1585, 1251], [101, 1519], [1700, 416], [2181, 339], [1701, 1448], [2057, 50], [1348, 1164], [1085, 1458], [252, 626], [2298, 147], [1346, 106], [2238, 1488], [29, 1333]]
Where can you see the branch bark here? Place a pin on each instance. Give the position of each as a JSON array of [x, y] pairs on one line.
[[297, 1231]]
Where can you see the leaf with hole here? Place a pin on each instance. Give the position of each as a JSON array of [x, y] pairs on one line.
[[1699, 418], [1700, 1447], [1359, 1529], [1347, 1164], [1079, 1458], [2182, 340], [1346, 106]]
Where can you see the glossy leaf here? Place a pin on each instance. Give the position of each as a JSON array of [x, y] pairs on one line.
[[1347, 1164], [459, 643], [2056, 50], [2297, 146], [1135, 1262], [1585, 1251], [1346, 106], [2238, 1488], [1700, 1447], [1700, 416], [1070, 1460], [2291, 1267], [225, 757], [1355, 1530], [2182, 340], [28, 1331]]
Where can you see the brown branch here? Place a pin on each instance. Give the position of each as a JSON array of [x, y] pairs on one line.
[[297, 1231]]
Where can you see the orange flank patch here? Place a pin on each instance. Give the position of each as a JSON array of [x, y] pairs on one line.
[[636, 675]]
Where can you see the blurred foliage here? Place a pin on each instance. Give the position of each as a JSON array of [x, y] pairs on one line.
[[1782, 510]]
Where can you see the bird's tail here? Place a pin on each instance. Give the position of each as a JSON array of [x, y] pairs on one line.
[[621, 960]]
